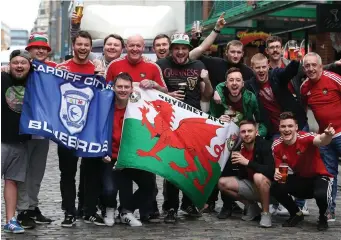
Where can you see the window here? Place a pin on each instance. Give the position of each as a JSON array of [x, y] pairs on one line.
[[19, 34], [42, 12]]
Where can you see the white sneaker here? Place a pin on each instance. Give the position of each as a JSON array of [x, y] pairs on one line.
[[273, 209], [109, 218], [128, 218], [305, 209], [282, 211]]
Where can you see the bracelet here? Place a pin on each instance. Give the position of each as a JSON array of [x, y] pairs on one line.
[[215, 30]]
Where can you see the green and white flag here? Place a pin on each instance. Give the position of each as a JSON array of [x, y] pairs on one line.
[[176, 141]]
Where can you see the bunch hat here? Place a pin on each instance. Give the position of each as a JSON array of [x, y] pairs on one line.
[[38, 40]]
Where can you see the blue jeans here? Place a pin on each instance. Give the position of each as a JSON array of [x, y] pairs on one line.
[[110, 188], [330, 155]]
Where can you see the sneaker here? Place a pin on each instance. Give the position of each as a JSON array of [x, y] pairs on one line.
[[191, 211], [331, 217], [322, 224], [118, 219], [253, 211], [236, 208], [38, 217], [273, 209], [128, 218], [293, 220], [96, 219], [13, 226], [25, 220], [282, 211], [209, 208], [265, 220], [69, 220], [305, 209], [171, 216], [152, 218], [109, 218], [224, 213]]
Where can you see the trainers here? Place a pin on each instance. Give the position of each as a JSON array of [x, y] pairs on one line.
[[191, 211], [152, 218], [265, 220], [118, 219], [282, 211], [13, 226], [293, 220], [109, 218], [210, 208], [224, 213], [128, 218], [331, 217], [171, 216], [25, 220], [305, 209], [96, 219], [322, 224], [273, 209], [236, 208], [253, 211], [38, 217], [69, 220]]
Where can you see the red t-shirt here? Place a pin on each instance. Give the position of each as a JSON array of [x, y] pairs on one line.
[[303, 157], [117, 130], [50, 63], [248, 154], [236, 106], [324, 99], [71, 66], [144, 69], [269, 102]]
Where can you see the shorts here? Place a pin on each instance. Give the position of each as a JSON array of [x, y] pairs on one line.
[[248, 190], [14, 161]]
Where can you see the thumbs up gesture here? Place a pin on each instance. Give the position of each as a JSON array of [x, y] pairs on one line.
[[330, 131]]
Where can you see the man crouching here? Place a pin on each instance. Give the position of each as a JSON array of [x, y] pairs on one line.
[[256, 170]]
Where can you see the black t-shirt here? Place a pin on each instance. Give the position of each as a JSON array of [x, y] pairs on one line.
[[12, 96], [189, 73], [217, 68]]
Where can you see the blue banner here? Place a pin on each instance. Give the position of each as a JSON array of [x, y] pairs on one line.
[[71, 109]]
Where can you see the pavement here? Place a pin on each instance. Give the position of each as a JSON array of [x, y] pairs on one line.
[[205, 228]]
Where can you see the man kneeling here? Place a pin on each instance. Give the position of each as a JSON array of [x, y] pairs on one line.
[[256, 169], [310, 179]]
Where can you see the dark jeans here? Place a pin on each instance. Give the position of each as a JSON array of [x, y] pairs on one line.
[[142, 198], [92, 184], [171, 193], [318, 187], [80, 193], [110, 188], [68, 170]]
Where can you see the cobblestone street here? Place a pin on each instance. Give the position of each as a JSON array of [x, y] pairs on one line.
[[206, 227]]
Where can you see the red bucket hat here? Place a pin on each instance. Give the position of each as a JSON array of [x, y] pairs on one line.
[[38, 40]]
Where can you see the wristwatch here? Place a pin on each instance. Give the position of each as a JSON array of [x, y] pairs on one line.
[[215, 30]]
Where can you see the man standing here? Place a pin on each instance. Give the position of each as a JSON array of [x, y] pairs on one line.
[[81, 44], [140, 69], [256, 171], [310, 179], [13, 145], [38, 147], [236, 103], [178, 69], [322, 91]]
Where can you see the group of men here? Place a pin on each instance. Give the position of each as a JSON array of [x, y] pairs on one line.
[[268, 102]]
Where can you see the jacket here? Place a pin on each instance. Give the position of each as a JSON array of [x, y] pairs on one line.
[[279, 79], [263, 161], [250, 107]]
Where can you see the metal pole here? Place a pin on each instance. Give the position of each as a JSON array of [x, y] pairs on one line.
[[65, 28], [306, 40]]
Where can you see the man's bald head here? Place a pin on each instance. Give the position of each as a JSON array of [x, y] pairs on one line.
[[135, 38], [135, 48]]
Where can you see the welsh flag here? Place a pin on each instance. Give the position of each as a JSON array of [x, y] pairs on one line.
[[176, 141]]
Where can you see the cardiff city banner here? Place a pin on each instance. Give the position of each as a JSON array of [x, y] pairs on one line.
[[71, 109], [176, 141]]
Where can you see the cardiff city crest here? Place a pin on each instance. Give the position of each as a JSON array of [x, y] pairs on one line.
[[74, 107]]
